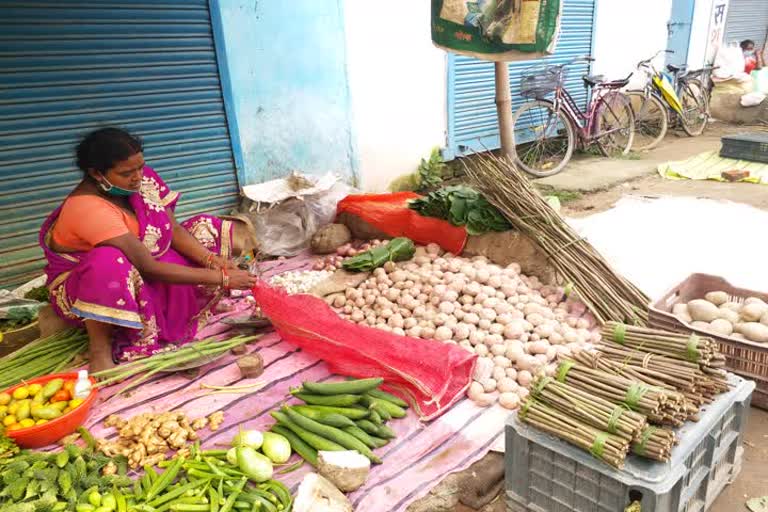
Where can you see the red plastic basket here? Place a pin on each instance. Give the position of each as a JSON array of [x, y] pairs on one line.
[[38, 436]]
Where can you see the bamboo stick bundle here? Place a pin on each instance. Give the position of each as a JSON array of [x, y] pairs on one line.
[[692, 348], [655, 443], [602, 445], [684, 376], [592, 410], [673, 406], [608, 295], [661, 406]]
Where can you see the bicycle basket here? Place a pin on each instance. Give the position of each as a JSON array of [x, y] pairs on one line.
[[542, 82]]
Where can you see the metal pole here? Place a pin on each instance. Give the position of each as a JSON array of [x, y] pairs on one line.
[[504, 109]]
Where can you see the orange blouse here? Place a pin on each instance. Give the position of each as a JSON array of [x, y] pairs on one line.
[[86, 221]]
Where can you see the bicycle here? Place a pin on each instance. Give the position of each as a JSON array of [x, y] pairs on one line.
[[548, 128], [684, 96]]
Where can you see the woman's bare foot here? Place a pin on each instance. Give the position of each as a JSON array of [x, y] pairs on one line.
[[100, 363]]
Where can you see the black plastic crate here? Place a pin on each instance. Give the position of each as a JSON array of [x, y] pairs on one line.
[[746, 146]]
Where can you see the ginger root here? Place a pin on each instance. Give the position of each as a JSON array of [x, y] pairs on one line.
[[215, 420], [147, 438]]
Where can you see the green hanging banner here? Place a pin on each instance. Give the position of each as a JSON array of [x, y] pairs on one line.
[[498, 30]]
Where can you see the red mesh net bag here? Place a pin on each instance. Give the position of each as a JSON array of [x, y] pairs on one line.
[[390, 213], [428, 374]]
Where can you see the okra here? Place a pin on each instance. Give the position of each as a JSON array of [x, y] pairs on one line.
[[317, 442], [326, 418], [179, 491], [213, 499], [166, 479], [230, 501], [332, 400], [344, 387], [393, 410], [190, 507], [298, 445], [383, 395], [338, 436]]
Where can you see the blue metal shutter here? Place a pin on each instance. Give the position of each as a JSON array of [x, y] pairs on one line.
[[472, 121], [68, 66]]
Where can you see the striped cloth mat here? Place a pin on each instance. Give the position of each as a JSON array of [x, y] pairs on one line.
[[414, 462]]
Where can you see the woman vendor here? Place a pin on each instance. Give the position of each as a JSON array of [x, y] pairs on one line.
[[120, 263]]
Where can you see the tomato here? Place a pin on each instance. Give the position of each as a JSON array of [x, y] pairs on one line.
[[61, 396], [69, 385]]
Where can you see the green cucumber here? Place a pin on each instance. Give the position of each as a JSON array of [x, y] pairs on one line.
[[383, 395], [326, 418], [331, 400], [394, 411], [318, 442], [353, 413], [344, 387], [338, 436], [305, 451], [368, 426], [361, 435]]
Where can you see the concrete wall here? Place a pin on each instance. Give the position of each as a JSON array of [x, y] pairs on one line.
[[627, 32], [288, 70], [398, 87]]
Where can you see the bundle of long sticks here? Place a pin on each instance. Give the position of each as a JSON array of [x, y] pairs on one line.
[[661, 406], [602, 445], [655, 443], [701, 350], [684, 376], [608, 295], [674, 409], [592, 410]]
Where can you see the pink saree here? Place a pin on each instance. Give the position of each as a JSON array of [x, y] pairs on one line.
[[102, 284]]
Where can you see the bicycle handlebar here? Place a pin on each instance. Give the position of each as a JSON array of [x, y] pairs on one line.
[[648, 61], [581, 58]]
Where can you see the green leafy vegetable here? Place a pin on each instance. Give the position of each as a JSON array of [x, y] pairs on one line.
[[397, 249], [462, 206]]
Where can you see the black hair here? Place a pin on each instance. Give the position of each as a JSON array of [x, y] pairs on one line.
[[103, 148], [745, 43]]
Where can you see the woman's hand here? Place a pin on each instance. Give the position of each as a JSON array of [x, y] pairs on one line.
[[222, 262], [241, 279]]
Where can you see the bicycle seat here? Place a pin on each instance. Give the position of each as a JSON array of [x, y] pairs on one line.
[[674, 69], [592, 80]]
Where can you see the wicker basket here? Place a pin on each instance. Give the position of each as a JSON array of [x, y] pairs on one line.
[[746, 358]]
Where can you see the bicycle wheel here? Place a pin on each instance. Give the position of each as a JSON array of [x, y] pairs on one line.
[[695, 103], [614, 125], [545, 138], [650, 120]]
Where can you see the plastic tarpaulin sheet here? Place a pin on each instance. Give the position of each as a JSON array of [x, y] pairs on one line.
[[390, 214]]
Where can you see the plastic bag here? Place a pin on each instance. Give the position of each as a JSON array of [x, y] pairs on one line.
[[430, 375], [499, 31], [729, 65], [285, 216], [752, 99], [390, 214]]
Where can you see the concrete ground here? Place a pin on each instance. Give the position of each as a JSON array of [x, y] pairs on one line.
[[591, 184]]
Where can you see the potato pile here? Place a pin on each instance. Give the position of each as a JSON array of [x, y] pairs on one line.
[[517, 325], [718, 314]]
